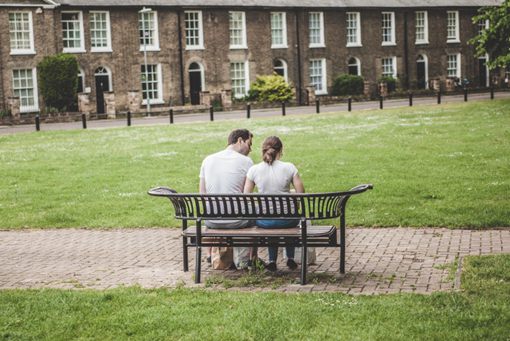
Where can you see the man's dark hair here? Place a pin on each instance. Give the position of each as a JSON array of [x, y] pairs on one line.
[[239, 133]]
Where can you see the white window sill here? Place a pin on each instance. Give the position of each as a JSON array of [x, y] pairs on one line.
[[453, 41], [279, 47], [390, 43], [153, 101], [101, 50], [354, 45], [150, 49], [321, 92], [28, 109], [238, 47], [421, 42], [313, 46], [22, 52], [191, 48], [73, 50]]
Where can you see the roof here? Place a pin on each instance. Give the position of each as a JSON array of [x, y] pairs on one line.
[[286, 3]]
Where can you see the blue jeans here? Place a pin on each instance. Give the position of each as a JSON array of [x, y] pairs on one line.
[[278, 224]]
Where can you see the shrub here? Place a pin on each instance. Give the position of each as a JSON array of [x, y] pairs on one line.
[[348, 85], [391, 83], [271, 88], [58, 80]]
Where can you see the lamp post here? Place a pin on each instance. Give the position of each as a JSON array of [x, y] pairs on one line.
[[144, 36]]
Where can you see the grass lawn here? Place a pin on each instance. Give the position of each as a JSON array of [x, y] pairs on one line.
[[442, 165], [480, 312]]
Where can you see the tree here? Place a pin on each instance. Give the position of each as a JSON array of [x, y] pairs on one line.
[[494, 40], [58, 80]]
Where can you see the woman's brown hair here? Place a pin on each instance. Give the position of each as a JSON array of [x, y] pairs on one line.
[[271, 147]]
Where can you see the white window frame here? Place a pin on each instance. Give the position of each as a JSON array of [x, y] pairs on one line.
[[357, 17], [81, 74], [458, 73], [483, 25], [31, 49], [283, 67], [200, 30], [243, 44], [451, 38], [35, 92], [155, 41], [108, 47], [81, 48], [392, 41], [246, 78], [393, 66], [159, 99], [283, 44], [321, 30], [324, 83], [358, 65], [425, 39]]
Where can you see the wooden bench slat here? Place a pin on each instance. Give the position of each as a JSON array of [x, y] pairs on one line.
[[312, 231]]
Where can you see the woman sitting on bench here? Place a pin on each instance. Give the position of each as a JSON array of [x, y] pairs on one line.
[[273, 176]]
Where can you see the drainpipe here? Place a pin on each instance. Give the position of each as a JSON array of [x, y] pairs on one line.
[[406, 52], [298, 52], [2, 92], [181, 58]]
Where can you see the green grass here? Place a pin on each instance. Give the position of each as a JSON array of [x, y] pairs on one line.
[[480, 312], [431, 166]]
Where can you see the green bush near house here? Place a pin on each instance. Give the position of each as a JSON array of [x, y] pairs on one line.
[[348, 85], [270, 88], [58, 81], [391, 83]]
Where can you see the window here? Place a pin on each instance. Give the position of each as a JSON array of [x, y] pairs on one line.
[[24, 86], [239, 78], [452, 27], [151, 84], [318, 75], [422, 27], [278, 30], [389, 67], [353, 29], [148, 31], [316, 29], [280, 68], [388, 28], [354, 66], [237, 30], [483, 25], [193, 30], [21, 33], [100, 39], [453, 65], [72, 31]]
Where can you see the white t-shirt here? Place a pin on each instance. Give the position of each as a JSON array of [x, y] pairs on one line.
[[275, 178], [224, 172]]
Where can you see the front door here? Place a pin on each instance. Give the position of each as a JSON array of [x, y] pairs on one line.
[[102, 85], [195, 86], [482, 72], [420, 75]]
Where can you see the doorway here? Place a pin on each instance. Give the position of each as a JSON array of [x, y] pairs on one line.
[[483, 72], [421, 72], [195, 83], [103, 82]]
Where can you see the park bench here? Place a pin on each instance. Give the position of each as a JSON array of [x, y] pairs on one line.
[[300, 206]]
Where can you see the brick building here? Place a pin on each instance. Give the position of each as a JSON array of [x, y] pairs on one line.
[[175, 52]]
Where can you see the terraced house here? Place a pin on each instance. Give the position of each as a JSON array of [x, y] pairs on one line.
[[165, 53]]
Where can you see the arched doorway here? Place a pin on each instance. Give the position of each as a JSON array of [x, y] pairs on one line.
[[196, 76], [421, 72], [354, 66], [280, 68], [483, 72], [103, 83]]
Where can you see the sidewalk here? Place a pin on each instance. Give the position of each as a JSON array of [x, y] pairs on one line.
[[255, 113], [383, 260]]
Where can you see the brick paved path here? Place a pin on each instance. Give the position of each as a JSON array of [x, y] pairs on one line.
[[379, 260]]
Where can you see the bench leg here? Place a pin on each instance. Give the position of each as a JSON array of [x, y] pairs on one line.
[[304, 261], [185, 254], [198, 261], [342, 250]]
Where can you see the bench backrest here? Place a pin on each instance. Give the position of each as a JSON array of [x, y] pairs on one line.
[[310, 206]]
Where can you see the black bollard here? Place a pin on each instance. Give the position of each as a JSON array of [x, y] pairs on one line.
[[380, 102], [171, 116], [410, 99], [465, 94], [439, 97], [349, 104], [317, 105], [248, 110], [84, 121], [37, 123], [129, 118], [492, 92], [211, 113], [283, 108]]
